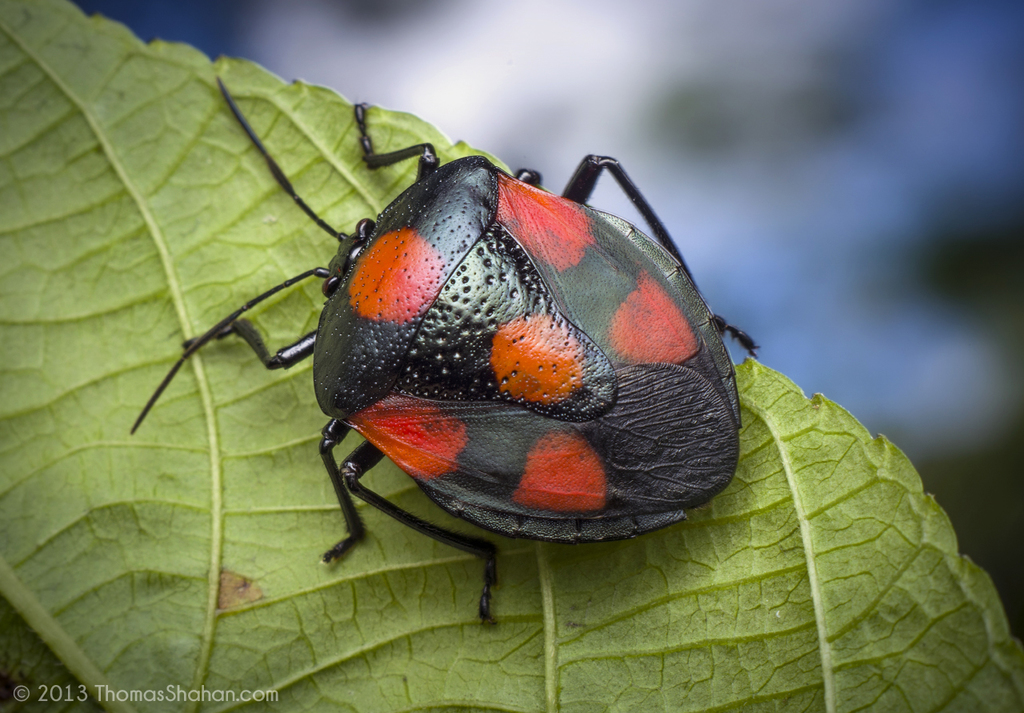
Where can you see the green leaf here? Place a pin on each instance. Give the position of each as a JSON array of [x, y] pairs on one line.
[[134, 213]]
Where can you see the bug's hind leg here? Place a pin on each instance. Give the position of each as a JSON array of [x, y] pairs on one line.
[[347, 477], [529, 176], [745, 340], [582, 184]]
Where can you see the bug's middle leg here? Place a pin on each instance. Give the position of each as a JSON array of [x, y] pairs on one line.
[[347, 477], [333, 434]]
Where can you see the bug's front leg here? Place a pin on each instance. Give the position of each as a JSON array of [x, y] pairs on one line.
[[284, 358], [425, 152], [295, 352]]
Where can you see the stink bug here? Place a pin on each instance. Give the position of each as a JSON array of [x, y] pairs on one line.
[[539, 368]]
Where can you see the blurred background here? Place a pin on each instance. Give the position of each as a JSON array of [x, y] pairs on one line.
[[845, 179]]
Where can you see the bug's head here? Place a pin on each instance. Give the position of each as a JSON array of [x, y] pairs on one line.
[[348, 251]]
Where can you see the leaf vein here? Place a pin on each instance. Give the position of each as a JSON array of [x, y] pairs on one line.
[[34, 408], [931, 623], [311, 671], [39, 132], [752, 701], [680, 595], [94, 586], [45, 221], [98, 508], [355, 577]]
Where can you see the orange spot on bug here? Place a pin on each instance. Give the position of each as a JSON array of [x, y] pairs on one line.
[[650, 328], [537, 358], [415, 434], [562, 474], [397, 278], [551, 228]]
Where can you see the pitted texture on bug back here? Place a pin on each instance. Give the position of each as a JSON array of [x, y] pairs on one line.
[[495, 334], [368, 324], [537, 358], [397, 278]]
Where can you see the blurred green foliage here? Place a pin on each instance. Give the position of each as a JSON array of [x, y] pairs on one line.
[[982, 490]]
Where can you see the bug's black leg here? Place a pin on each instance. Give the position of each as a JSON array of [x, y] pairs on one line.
[[528, 175], [581, 185], [285, 358], [333, 434], [278, 174], [225, 326], [364, 457], [428, 157], [745, 340]]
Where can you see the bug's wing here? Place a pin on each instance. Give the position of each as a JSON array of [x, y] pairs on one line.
[[615, 283], [508, 469]]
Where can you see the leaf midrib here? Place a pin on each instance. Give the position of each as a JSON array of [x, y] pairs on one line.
[[24, 600], [547, 600], [824, 646]]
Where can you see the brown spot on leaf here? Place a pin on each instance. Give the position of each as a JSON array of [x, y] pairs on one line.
[[236, 590]]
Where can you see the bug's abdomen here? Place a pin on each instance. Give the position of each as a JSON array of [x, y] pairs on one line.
[[668, 444]]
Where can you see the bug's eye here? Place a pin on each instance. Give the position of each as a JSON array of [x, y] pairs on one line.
[[330, 285], [364, 230]]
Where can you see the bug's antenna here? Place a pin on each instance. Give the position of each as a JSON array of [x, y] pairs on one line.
[[279, 176], [220, 329]]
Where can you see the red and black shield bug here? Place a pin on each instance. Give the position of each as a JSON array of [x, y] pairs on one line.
[[540, 368]]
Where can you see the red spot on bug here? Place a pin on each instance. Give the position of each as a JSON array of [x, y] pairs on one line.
[[551, 228], [562, 474], [537, 358], [418, 436], [649, 327], [397, 278]]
